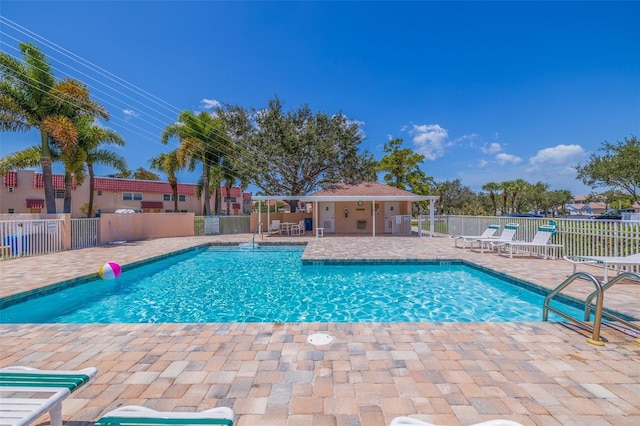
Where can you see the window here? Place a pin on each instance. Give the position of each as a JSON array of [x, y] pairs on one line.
[[233, 199], [132, 196], [182, 197], [99, 193], [167, 197], [10, 211], [10, 189], [59, 193]]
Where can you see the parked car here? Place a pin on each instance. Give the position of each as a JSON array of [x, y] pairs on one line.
[[613, 214]]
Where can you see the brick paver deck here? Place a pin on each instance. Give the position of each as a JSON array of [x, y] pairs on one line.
[[447, 373]]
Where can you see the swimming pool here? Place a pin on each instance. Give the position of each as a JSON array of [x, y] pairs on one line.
[[271, 284]]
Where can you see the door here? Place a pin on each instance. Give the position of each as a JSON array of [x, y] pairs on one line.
[[327, 217], [391, 208]]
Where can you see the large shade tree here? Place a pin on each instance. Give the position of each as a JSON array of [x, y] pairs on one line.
[[617, 167], [296, 152], [203, 140], [31, 98], [399, 164]]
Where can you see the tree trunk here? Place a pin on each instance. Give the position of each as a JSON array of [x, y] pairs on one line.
[[47, 174], [228, 199], [206, 206], [174, 190], [91, 188], [68, 179]]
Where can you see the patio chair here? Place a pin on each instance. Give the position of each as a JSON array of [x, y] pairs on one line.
[[28, 393], [134, 415], [274, 228], [540, 240], [410, 421], [298, 229], [488, 233], [508, 234], [606, 261]]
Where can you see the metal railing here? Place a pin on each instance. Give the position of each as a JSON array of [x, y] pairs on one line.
[[605, 287], [598, 308], [84, 232], [597, 320], [21, 238]]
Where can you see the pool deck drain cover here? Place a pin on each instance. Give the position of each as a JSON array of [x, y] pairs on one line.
[[319, 339]]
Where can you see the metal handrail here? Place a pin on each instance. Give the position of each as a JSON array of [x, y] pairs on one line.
[[253, 238], [597, 320], [605, 287]]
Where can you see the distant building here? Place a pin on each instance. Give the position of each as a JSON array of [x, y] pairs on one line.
[[23, 192], [578, 206]]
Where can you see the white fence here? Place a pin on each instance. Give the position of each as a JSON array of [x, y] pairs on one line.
[[579, 237], [84, 232], [30, 237]]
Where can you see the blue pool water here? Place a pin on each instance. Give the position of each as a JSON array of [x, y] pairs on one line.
[[271, 284]]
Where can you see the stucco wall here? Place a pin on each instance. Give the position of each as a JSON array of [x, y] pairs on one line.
[[140, 226]]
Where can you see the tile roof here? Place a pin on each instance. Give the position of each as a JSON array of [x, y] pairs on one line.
[[362, 189], [134, 185], [58, 181], [10, 179]]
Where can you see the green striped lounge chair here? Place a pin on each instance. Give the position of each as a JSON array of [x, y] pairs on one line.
[[28, 393], [134, 415], [508, 234], [541, 240], [488, 233]]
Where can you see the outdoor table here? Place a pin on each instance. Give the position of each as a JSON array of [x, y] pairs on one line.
[[286, 227]]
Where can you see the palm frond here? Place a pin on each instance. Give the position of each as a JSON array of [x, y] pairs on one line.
[[29, 157]]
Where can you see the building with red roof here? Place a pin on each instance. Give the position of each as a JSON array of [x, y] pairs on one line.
[[23, 192]]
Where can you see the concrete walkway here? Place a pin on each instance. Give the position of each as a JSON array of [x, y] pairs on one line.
[[446, 373]]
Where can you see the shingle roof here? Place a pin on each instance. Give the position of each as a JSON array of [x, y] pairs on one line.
[[362, 189]]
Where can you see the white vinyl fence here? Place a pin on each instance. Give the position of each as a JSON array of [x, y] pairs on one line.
[[84, 232], [21, 238], [578, 237]]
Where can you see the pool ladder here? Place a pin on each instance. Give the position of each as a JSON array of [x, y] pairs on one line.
[[253, 238], [598, 294]]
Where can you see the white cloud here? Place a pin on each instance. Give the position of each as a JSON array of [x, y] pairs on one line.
[[129, 113], [503, 159], [492, 148], [558, 155], [429, 140], [482, 163], [209, 103]]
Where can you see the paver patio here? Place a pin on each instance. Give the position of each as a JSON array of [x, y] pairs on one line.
[[447, 373]]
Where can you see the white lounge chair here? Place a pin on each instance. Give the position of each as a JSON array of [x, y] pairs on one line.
[[540, 240], [507, 234], [488, 233], [410, 421], [28, 393], [134, 415], [274, 228], [606, 261]]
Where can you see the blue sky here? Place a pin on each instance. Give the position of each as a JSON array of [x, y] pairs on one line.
[[487, 91]]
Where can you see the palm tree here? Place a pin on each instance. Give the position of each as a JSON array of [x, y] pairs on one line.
[[492, 187], [90, 138], [202, 140], [30, 97], [29, 157], [229, 175], [168, 164]]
